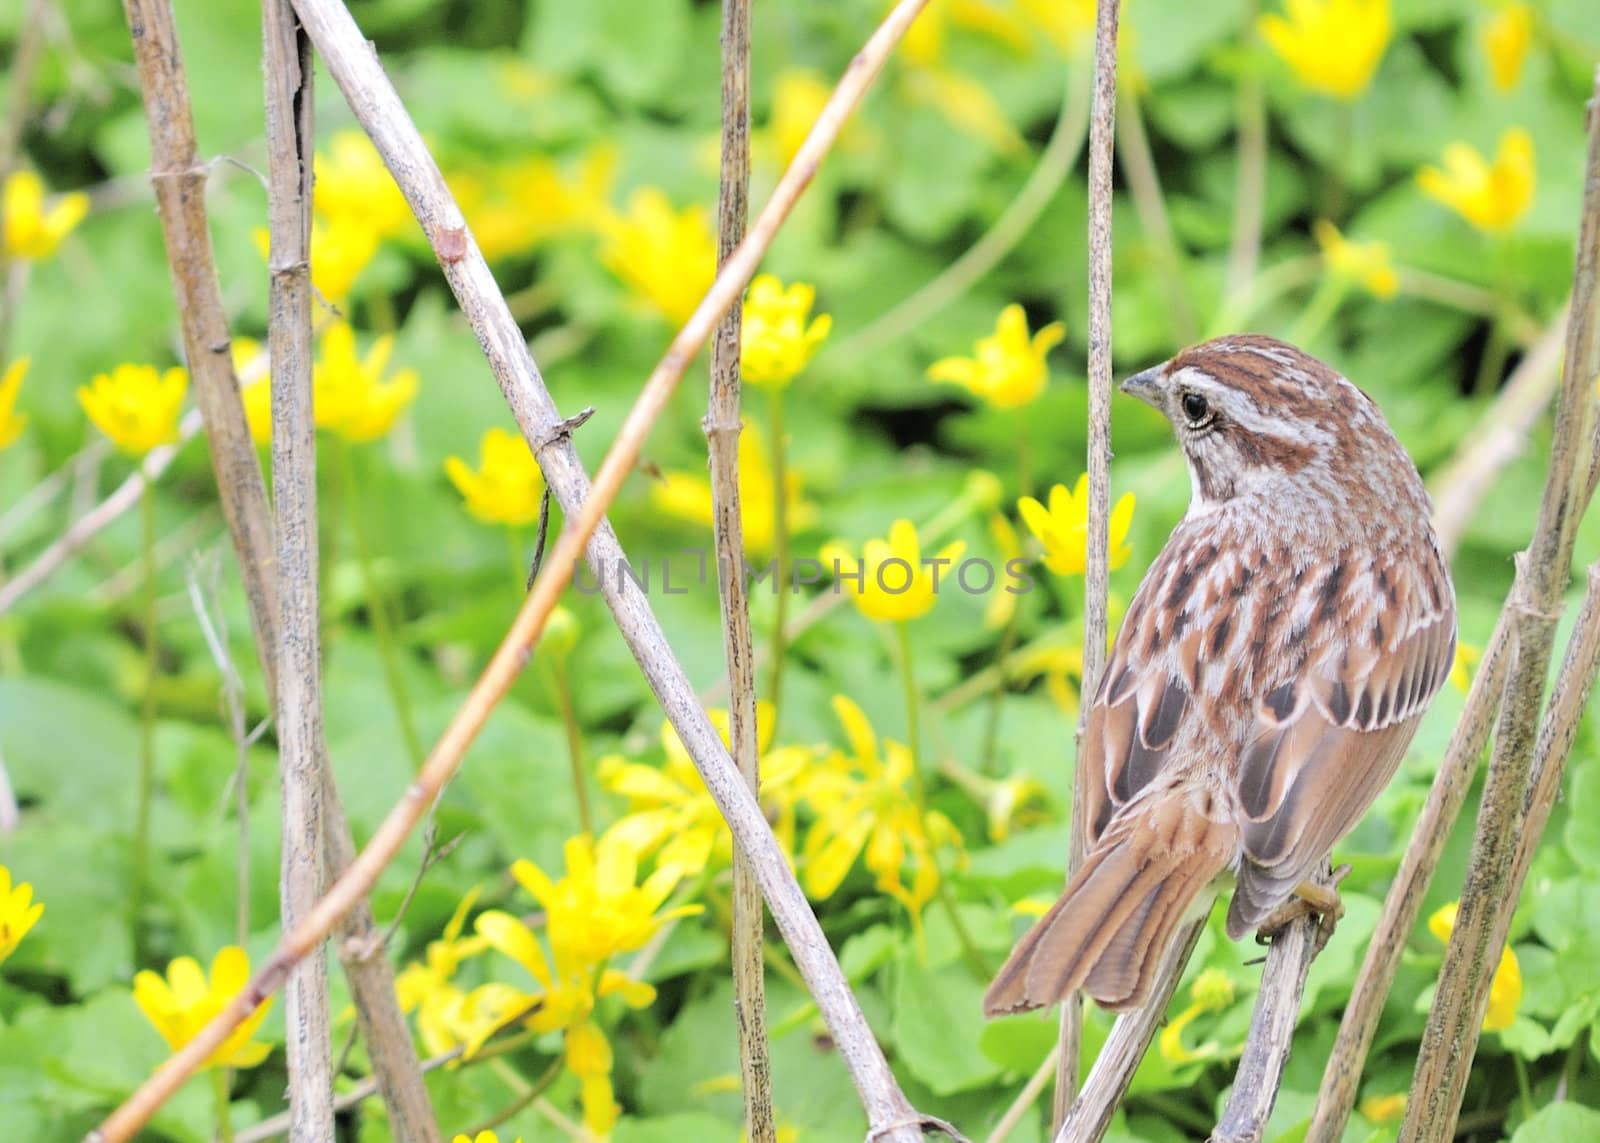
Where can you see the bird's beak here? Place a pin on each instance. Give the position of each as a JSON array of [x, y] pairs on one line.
[[1146, 385]]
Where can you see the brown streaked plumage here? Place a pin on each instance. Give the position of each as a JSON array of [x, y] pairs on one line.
[[1270, 672]]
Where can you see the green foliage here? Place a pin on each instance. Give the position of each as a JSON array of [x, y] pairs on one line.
[[925, 168]]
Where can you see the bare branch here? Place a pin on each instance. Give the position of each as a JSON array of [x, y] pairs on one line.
[[354, 66], [722, 436], [1266, 1048], [179, 179], [1488, 895], [1097, 573], [1342, 1079], [286, 66]]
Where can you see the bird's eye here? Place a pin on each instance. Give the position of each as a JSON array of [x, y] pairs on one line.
[[1195, 407]]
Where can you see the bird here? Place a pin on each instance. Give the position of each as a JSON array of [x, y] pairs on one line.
[[1267, 678]]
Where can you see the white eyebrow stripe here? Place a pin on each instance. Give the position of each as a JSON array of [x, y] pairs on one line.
[[1244, 412]]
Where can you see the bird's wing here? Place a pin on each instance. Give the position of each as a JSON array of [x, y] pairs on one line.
[[1328, 734], [1331, 665], [1144, 695]]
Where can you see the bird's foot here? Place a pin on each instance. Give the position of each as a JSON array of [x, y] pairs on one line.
[[1319, 899]]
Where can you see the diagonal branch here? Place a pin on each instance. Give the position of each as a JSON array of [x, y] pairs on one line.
[[1342, 1080], [1489, 893], [722, 437], [1097, 573], [354, 66], [1266, 1047]]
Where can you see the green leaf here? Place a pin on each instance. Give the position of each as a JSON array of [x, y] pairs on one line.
[[938, 1026], [1566, 1121]]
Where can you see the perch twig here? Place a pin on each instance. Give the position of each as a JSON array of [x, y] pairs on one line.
[[1454, 1023]]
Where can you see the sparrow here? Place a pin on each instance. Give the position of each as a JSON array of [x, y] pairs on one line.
[[1268, 676]]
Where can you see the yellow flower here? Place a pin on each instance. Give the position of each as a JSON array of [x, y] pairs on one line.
[[1383, 1109], [1491, 196], [798, 98], [341, 247], [1061, 667], [687, 496], [672, 814], [31, 231], [480, 1137], [892, 580], [597, 910], [1212, 991], [1506, 39], [667, 257], [1364, 262], [182, 1003], [515, 208], [1017, 801], [776, 342], [1068, 24], [507, 486], [1008, 369], [11, 421], [593, 913], [350, 395], [1333, 46], [1505, 990], [924, 42], [1467, 657], [866, 801], [1064, 528], [426, 986], [18, 912], [136, 406], [354, 187], [966, 103]]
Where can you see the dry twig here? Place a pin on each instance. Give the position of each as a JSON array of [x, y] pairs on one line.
[[1342, 1079], [180, 186], [286, 66], [1097, 575], [722, 437], [1266, 1048], [354, 66], [1489, 893]]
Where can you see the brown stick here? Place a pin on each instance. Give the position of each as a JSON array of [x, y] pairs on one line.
[[354, 66], [286, 66], [1342, 1079], [1097, 575], [1266, 1048], [1454, 1023], [722, 438], [179, 179]]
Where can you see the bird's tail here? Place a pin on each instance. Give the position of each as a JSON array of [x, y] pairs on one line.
[[1111, 927]]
